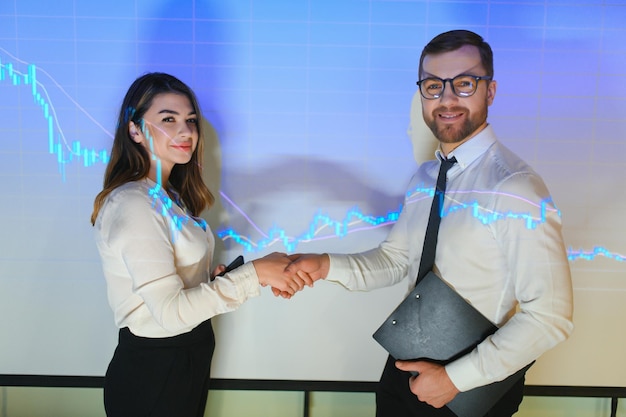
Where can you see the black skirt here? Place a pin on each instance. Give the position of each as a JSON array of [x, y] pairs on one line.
[[160, 376]]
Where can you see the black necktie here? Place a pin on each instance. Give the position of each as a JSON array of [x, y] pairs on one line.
[[430, 239]]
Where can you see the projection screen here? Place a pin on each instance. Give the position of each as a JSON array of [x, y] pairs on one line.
[[314, 132]]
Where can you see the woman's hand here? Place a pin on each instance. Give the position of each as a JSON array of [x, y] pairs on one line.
[[271, 270], [220, 269]]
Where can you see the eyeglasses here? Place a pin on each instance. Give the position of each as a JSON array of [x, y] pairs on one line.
[[462, 85]]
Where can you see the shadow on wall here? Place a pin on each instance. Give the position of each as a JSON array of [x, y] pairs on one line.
[[423, 141], [212, 174], [299, 177], [307, 185]]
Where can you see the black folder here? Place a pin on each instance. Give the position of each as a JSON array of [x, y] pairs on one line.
[[435, 323]]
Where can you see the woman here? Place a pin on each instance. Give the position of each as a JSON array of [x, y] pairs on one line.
[[156, 254]]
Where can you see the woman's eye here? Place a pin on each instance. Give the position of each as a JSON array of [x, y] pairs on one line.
[[168, 119], [194, 121]]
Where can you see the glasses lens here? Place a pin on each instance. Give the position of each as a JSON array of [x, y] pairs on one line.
[[431, 87], [464, 85]]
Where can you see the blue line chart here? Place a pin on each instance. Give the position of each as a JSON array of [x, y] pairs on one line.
[[354, 220], [21, 74], [323, 227], [597, 252], [12, 72]]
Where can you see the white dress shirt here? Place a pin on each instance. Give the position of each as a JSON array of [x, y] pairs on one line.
[[157, 263], [500, 246]]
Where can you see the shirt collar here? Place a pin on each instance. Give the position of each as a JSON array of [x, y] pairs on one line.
[[471, 150]]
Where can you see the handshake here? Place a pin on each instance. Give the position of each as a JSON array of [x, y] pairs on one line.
[[288, 274]]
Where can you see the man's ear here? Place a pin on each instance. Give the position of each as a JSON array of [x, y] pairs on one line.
[[491, 91], [134, 132]]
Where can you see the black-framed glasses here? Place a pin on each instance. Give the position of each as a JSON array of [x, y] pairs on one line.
[[463, 85]]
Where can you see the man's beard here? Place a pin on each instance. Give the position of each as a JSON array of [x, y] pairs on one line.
[[449, 133]]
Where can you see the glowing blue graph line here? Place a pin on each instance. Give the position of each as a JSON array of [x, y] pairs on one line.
[[486, 216], [57, 142], [163, 204], [320, 222], [353, 221], [598, 251], [354, 217]]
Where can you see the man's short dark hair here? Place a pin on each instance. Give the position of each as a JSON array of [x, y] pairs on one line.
[[453, 40]]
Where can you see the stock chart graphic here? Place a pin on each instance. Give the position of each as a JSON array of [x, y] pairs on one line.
[[314, 132]]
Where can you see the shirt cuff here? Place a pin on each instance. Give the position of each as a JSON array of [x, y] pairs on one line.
[[246, 281], [337, 267], [464, 375]]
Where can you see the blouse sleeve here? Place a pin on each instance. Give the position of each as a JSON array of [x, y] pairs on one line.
[[140, 241]]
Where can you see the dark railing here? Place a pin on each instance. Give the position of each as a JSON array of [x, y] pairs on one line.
[[306, 387]]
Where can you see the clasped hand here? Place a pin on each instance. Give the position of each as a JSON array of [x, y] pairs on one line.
[[288, 274]]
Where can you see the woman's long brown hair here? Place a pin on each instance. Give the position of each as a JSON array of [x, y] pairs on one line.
[[130, 161]]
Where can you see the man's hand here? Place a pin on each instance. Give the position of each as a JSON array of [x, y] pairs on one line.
[[306, 267], [314, 266], [432, 385], [271, 271]]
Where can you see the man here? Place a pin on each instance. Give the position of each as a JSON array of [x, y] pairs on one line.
[[499, 242]]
